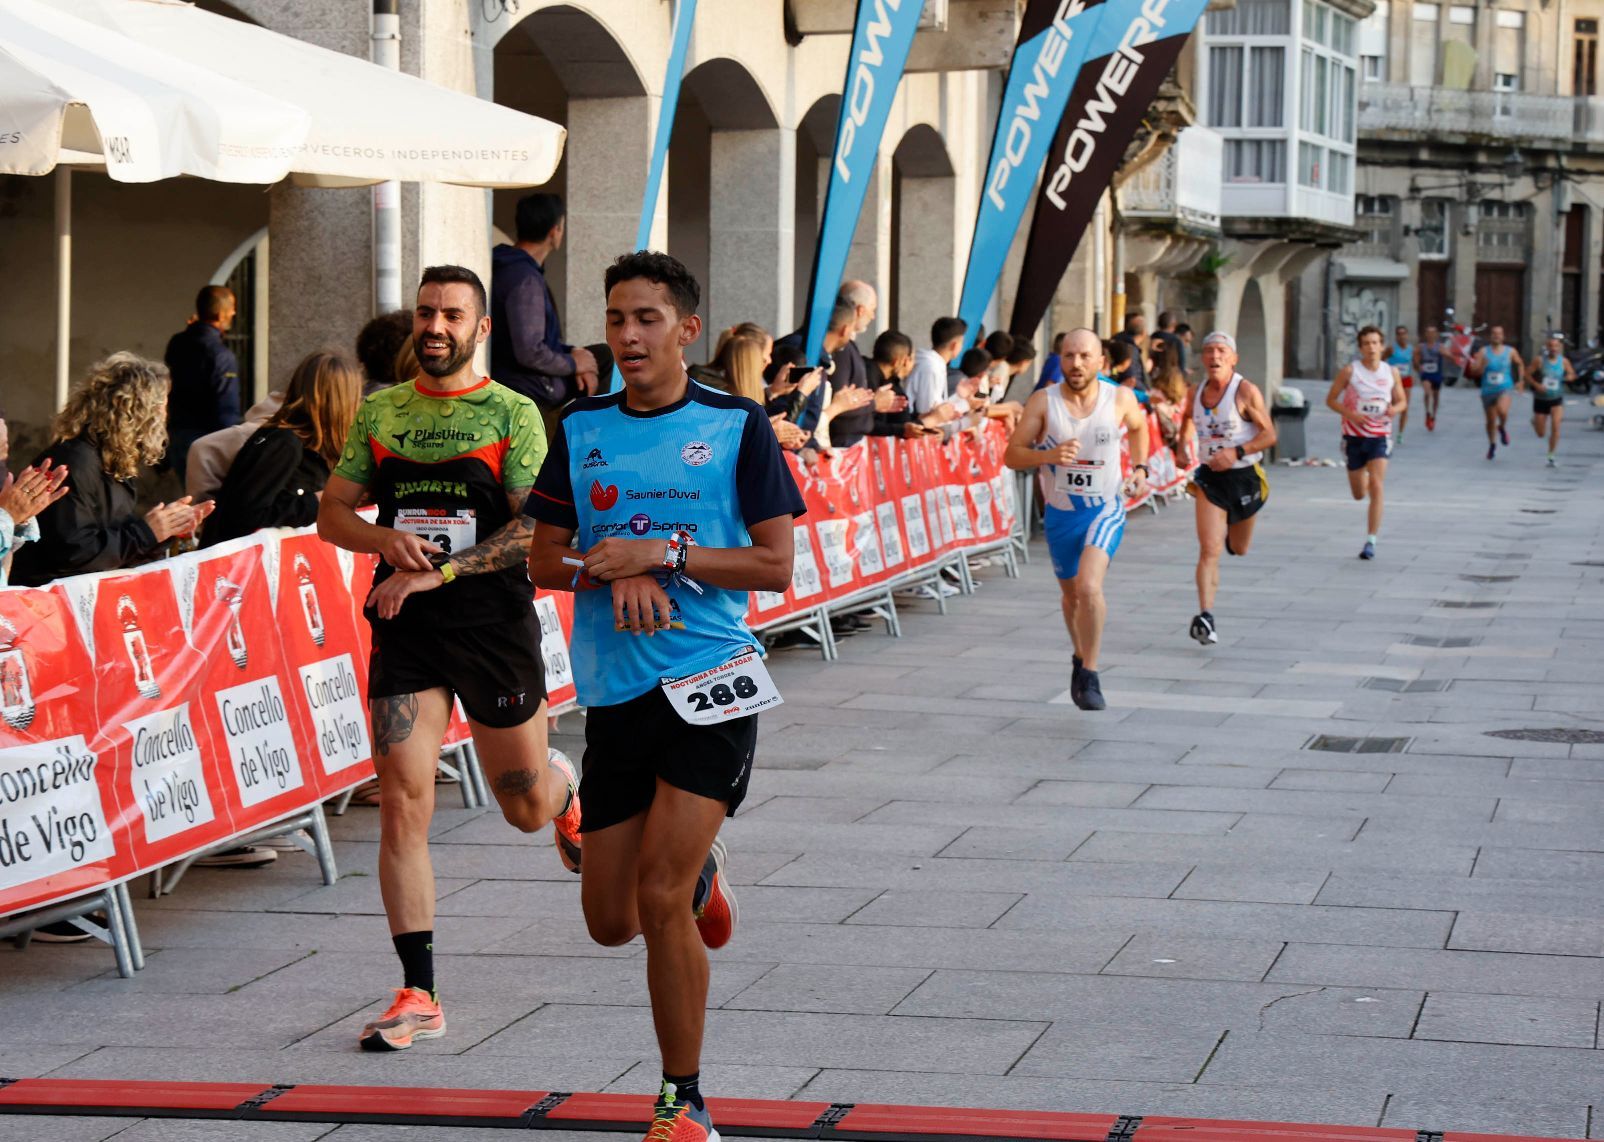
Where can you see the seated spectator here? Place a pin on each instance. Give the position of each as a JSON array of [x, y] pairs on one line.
[[379, 347], [278, 477], [113, 423], [21, 499], [211, 455]]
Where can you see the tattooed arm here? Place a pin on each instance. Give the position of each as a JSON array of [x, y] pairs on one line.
[[508, 547]]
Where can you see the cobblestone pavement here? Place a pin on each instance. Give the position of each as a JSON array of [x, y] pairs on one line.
[[958, 889]]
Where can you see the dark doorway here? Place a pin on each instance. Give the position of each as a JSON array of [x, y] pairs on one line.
[[1433, 295], [1500, 297], [1570, 303]]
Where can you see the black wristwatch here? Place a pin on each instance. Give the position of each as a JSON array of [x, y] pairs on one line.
[[1241, 452]]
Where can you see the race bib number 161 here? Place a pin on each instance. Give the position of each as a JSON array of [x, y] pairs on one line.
[[737, 689]]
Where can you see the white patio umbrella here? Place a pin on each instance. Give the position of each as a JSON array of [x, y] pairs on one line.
[[130, 86]]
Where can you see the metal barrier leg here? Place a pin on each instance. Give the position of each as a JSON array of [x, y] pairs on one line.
[[458, 767], [343, 802], [136, 949], [116, 932], [323, 847], [480, 783], [893, 620], [827, 643]]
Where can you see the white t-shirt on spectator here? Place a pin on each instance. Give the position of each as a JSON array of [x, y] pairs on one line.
[[926, 386]]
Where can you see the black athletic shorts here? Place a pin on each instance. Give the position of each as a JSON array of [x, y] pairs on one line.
[[1239, 492], [1360, 450], [630, 745], [495, 669], [1542, 406]]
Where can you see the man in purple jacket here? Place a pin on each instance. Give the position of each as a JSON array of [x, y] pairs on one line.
[[527, 351]]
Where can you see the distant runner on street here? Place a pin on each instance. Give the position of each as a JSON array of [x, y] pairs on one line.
[[1428, 367], [1497, 366], [1233, 430], [1402, 358], [1367, 394], [1546, 379], [1070, 434]]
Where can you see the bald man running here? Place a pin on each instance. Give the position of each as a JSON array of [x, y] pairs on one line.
[[1070, 434]]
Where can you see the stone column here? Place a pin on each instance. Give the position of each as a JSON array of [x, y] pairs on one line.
[[609, 146], [1462, 274], [1545, 241], [751, 244], [870, 256], [1592, 259], [927, 244]]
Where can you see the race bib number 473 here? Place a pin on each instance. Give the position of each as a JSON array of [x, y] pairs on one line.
[[737, 689]]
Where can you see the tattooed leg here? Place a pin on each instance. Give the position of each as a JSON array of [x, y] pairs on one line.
[[407, 729], [514, 759]]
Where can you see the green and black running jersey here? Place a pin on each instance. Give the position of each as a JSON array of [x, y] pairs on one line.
[[441, 466]]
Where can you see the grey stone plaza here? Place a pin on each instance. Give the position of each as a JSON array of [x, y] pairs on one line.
[[956, 888]]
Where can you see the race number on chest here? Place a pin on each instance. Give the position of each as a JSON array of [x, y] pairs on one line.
[[738, 688], [450, 529]]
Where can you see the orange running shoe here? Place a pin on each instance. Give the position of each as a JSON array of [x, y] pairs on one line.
[[566, 826], [714, 901], [676, 1121], [414, 1015]]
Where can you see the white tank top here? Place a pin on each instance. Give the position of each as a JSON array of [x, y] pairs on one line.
[[1095, 477], [1224, 426], [1369, 394]]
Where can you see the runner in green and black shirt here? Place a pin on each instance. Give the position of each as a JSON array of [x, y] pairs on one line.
[[449, 459]]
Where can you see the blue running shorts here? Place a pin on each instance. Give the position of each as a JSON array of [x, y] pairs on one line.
[[1071, 532]]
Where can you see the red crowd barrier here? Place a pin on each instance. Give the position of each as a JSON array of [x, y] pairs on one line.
[[152, 714]]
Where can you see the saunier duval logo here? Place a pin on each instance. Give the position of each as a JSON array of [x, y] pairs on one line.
[[16, 690], [138, 651], [432, 437], [865, 74], [603, 499], [1027, 117], [594, 459], [232, 596], [1118, 73]]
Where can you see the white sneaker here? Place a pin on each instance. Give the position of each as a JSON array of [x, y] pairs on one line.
[[1203, 630]]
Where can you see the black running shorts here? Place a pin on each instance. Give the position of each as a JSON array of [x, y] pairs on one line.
[[1239, 492], [1360, 450], [1542, 406], [630, 745], [495, 669]]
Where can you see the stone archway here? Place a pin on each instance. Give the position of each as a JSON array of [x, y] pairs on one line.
[[815, 139], [924, 256], [730, 208], [593, 88]]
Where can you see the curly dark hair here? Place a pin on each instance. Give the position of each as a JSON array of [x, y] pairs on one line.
[[659, 269], [380, 343]]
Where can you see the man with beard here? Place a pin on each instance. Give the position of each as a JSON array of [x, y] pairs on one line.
[[1070, 433], [449, 459]]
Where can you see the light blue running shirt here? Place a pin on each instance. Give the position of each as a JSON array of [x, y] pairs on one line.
[[1496, 377], [708, 465]]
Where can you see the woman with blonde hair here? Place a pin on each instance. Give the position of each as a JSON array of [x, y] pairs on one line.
[[741, 362], [278, 478], [115, 422]]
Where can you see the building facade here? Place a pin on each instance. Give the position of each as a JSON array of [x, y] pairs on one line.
[[1479, 183]]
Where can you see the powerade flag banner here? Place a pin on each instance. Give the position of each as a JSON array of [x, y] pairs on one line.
[[684, 20], [881, 40], [1116, 85], [1053, 40]]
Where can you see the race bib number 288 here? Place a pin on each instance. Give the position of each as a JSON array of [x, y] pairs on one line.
[[737, 689]]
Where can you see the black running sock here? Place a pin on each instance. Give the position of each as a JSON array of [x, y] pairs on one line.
[[1206, 615], [416, 950], [686, 1089]]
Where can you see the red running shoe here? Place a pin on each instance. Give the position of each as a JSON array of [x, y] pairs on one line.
[[414, 1015], [714, 902], [676, 1121], [566, 826]]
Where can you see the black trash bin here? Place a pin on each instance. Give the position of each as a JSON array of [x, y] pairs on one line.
[[1289, 443]]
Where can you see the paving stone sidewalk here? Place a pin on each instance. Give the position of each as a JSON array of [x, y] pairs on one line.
[[958, 889]]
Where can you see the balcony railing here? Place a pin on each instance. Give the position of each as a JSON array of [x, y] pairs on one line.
[[1182, 184], [1437, 111]]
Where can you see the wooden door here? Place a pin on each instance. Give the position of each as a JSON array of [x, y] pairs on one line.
[[1500, 297], [1433, 294]]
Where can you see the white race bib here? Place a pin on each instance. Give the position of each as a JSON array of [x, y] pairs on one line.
[[1374, 407], [451, 530], [739, 688], [1077, 478]]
